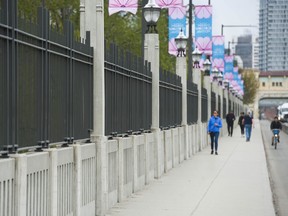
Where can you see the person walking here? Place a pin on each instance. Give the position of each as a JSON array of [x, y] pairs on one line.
[[248, 122], [240, 123], [230, 118], [213, 129]]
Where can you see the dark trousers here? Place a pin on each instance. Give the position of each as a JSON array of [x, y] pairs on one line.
[[214, 140], [242, 129], [230, 128]]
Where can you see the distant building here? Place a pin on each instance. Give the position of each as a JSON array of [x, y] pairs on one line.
[[273, 31], [244, 49], [247, 47]]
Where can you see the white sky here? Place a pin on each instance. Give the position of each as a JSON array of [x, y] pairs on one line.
[[233, 12]]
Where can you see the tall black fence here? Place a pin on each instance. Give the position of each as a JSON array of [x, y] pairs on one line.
[[46, 81], [230, 106], [192, 103], [170, 99], [219, 106], [128, 92], [224, 107], [204, 105], [213, 102]]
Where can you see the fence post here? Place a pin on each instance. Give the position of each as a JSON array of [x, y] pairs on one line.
[[94, 22], [181, 71], [197, 80], [207, 85], [77, 180], [20, 184], [151, 54]]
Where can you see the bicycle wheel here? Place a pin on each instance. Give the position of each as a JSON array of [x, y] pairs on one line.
[[275, 142]]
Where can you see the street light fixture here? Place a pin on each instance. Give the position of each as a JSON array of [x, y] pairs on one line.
[[196, 55], [181, 43], [215, 73], [151, 13], [207, 66], [220, 77]]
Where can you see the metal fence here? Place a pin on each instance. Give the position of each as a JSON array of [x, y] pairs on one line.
[[224, 107], [128, 92], [219, 106], [192, 103], [46, 81], [213, 101], [170, 99], [204, 105]]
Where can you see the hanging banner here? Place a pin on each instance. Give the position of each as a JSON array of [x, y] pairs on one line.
[[177, 21], [203, 28], [122, 5], [228, 67], [169, 3], [218, 52]]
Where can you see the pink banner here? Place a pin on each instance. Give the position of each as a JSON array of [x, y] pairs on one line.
[[122, 5], [169, 3]]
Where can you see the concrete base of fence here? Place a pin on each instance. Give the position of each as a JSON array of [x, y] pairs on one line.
[[72, 180]]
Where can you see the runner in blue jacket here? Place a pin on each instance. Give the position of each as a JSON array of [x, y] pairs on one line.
[[214, 125]]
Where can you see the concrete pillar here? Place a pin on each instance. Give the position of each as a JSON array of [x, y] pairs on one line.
[[20, 184], [151, 54], [77, 180], [94, 22], [82, 19], [181, 71], [53, 160], [197, 80], [207, 85]]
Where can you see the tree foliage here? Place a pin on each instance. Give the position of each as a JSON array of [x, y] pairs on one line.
[[251, 84], [60, 10], [124, 29]]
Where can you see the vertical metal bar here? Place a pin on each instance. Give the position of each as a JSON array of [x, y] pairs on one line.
[[190, 42], [13, 74]]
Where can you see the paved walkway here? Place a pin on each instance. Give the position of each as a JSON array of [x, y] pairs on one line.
[[233, 183]]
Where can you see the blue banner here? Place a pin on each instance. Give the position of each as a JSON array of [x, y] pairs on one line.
[[203, 28], [177, 21]]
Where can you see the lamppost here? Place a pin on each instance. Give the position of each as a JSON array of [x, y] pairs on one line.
[[181, 43], [151, 13]]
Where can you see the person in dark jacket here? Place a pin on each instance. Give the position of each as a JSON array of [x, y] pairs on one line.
[[276, 124], [240, 123], [213, 129], [248, 122], [230, 118]]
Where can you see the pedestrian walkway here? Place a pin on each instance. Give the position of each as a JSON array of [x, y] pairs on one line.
[[233, 183]]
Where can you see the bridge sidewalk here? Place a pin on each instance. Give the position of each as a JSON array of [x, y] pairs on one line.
[[233, 183]]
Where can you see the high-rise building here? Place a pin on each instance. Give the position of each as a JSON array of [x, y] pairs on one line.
[[247, 48], [273, 31], [244, 48]]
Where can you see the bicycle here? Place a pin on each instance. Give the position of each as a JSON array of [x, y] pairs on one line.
[[275, 137]]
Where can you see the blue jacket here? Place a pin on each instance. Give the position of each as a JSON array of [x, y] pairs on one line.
[[211, 125]]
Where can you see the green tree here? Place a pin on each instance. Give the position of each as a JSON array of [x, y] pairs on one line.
[[60, 10], [251, 84], [125, 30]]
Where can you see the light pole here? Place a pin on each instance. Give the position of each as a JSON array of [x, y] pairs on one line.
[[181, 43], [190, 41], [151, 13]]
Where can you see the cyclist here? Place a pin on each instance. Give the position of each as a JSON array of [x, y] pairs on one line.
[[275, 124]]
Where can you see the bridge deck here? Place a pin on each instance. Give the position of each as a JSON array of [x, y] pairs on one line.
[[235, 182]]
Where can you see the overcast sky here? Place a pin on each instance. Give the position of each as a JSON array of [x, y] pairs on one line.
[[233, 12]]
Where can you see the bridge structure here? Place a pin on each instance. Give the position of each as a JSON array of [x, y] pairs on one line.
[[89, 176], [272, 92]]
